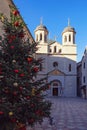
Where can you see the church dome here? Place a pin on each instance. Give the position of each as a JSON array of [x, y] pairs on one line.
[[69, 29], [41, 27]]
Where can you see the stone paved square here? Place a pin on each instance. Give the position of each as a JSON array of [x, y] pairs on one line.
[[67, 113]]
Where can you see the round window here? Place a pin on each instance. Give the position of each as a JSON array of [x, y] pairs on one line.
[[55, 64]]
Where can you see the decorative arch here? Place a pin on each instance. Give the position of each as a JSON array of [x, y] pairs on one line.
[[56, 81], [56, 88]]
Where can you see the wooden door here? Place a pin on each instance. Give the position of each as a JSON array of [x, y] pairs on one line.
[[55, 91]]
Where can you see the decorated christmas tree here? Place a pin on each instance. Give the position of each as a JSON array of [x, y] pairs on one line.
[[22, 99]]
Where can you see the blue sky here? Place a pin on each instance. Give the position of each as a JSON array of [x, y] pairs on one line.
[[55, 14]]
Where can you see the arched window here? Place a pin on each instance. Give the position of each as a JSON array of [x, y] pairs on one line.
[[65, 39], [54, 49], [83, 79], [60, 50], [69, 38], [69, 67], [84, 65], [36, 37], [40, 36]]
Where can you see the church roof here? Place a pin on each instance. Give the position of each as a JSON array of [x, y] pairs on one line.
[[68, 29], [41, 27], [51, 41]]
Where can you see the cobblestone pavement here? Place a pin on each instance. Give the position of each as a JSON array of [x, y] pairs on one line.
[[67, 113]]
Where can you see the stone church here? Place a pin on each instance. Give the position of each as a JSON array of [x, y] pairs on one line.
[[59, 64]]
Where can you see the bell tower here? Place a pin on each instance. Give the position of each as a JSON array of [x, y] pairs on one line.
[[68, 35], [41, 33], [69, 48]]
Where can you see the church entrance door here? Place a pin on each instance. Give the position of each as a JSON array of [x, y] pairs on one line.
[[56, 88], [55, 91]]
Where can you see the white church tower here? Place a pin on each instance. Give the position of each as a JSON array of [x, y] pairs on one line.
[[68, 35], [59, 63], [41, 34], [68, 42]]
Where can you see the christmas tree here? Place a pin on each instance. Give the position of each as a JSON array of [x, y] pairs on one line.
[[22, 99]]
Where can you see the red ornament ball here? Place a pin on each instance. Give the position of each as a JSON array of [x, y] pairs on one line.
[[29, 59], [16, 12], [16, 71], [28, 97], [35, 69], [20, 88], [16, 24], [12, 47], [32, 105], [21, 75], [15, 93], [1, 112]]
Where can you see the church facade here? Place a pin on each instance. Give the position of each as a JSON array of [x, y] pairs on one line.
[[59, 61]]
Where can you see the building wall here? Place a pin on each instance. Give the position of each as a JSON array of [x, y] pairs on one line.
[[82, 75], [84, 69], [70, 86], [4, 8], [79, 78]]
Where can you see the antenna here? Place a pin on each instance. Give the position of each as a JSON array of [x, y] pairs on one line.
[[41, 20], [68, 22]]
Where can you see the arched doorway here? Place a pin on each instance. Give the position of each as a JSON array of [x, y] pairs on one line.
[[56, 88]]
